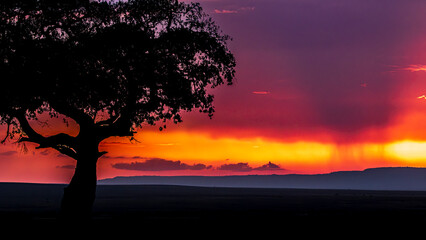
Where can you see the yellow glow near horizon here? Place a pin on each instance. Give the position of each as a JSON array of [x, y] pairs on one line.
[[407, 150], [196, 147]]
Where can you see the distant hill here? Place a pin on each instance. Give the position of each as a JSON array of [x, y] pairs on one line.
[[399, 178]]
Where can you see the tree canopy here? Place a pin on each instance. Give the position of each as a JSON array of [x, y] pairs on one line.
[[111, 65]]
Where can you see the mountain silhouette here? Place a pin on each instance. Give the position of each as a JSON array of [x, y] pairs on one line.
[[390, 178]]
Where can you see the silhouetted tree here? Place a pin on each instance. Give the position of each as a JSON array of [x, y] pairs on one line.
[[111, 67]]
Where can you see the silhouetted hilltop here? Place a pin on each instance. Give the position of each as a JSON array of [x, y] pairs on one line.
[[398, 178]]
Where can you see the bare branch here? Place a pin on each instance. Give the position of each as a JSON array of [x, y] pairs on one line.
[[33, 136], [79, 116], [7, 132], [62, 142], [66, 151], [108, 122], [118, 130]]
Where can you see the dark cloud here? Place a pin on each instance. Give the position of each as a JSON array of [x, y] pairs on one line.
[[268, 167], [8, 153], [244, 167], [158, 164], [236, 167]]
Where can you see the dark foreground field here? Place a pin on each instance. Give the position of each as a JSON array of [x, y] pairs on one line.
[[189, 208]]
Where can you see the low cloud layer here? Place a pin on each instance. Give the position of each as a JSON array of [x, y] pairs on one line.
[[236, 167], [244, 167], [158, 164]]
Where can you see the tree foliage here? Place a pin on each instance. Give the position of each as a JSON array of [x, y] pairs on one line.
[[110, 66]]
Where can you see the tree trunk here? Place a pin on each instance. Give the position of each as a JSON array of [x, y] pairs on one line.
[[79, 195]]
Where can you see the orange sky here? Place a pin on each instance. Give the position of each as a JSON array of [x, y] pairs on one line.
[[190, 148], [319, 88]]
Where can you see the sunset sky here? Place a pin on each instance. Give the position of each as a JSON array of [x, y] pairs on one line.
[[320, 86]]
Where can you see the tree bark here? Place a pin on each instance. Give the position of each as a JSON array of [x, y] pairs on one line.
[[79, 195]]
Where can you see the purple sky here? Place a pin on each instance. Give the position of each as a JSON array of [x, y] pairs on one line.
[[322, 65]]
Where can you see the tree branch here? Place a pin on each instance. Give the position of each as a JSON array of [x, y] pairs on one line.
[[33, 136], [108, 122], [116, 130], [119, 126], [66, 151], [62, 142], [7, 132], [79, 116]]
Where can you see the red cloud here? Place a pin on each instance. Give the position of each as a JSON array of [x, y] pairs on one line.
[[261, 92], [224, 11]]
